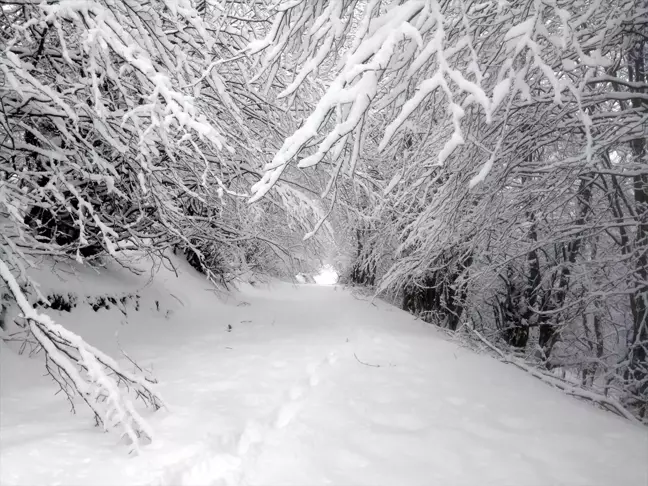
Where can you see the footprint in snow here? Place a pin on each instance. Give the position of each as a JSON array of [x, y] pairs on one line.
[[287, 413], [297, 394], [251, 435], [217, 469]]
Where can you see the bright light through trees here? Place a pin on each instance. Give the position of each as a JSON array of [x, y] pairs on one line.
[[327, 276]]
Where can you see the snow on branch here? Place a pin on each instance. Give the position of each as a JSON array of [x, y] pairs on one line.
[[84, 371], [357, 85], [119, 113], [394, 58]]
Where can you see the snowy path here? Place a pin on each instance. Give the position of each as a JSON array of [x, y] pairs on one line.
[[281, 399]]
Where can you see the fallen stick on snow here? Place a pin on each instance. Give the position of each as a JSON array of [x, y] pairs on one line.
[[366, 364], [607, 402]]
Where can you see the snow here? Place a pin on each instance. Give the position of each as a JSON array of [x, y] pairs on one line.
[[569, 64], [500, 92], [310, 385], [522, 29]]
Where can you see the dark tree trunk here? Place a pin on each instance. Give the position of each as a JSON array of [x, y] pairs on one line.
[[440, 296], [364, 268], [638, 368]]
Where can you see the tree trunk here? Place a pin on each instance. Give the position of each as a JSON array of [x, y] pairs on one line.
[[638, 368]]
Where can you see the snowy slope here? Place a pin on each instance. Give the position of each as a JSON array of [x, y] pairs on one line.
[[310, 386]]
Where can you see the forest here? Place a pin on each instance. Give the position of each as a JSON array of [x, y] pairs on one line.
[[482, 164]]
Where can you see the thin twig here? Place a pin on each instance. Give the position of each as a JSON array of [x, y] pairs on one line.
[[366, 364]]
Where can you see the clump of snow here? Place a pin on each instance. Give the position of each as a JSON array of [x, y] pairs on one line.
[[569, 65]]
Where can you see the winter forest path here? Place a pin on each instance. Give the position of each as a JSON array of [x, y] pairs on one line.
[[313, 386]]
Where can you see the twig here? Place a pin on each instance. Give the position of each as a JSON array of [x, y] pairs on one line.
[[366, 364], [128, 357], [176, 298]]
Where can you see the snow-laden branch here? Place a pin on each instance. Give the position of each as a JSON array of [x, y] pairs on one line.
[[400, 56], [121, 117], [81, 369], [604, 401]]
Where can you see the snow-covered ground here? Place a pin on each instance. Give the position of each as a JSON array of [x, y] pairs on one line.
[[300, 385]]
